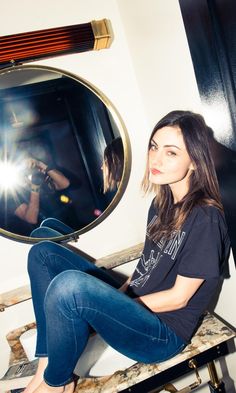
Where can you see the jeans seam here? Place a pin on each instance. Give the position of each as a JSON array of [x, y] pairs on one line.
[[42, 355], [118, 322], [53, 254], [75, 337]]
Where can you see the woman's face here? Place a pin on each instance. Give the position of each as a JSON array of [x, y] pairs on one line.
[[169, 162], [104, 168]]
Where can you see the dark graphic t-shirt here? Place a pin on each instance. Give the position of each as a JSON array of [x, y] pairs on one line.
[[198, 250]]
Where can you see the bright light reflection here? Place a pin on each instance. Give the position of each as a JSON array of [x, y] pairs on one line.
[[217, 116], [9, 176]]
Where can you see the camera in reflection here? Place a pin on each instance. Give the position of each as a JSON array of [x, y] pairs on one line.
[[15, 174]]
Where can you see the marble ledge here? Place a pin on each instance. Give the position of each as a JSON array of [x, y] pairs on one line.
[[211, 333], [14, 296], [119, 258], [21, 294]]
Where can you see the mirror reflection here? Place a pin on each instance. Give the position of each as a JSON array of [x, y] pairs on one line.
[[61, 154]]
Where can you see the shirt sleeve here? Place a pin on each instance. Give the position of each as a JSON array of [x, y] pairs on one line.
[[202, 255]]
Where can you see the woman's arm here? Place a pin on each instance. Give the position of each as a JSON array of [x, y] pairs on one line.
[[60, 181], [174, 298], [29, 212], [125, 285]]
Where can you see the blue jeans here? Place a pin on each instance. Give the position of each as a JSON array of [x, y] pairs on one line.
[[51, 227], [71, 295]]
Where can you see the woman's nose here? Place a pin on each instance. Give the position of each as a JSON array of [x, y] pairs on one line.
[[157, 158]]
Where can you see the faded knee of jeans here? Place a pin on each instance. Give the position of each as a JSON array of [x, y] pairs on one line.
[[68, 290]]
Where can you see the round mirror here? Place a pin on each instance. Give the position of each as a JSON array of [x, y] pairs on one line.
[[64, 154]]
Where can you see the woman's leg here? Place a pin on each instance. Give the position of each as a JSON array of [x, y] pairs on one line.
[[57, 225], [75, 301], [45, 261], [51, 227], [44, 232], [38, 377], [44, 388]]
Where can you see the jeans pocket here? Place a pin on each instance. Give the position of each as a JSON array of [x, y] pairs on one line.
[[160, 331]]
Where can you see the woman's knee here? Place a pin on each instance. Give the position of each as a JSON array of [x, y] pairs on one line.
[[68, 286], [62, 289], [38, 253]]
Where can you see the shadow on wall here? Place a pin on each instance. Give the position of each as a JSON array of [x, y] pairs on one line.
[[225, 163]]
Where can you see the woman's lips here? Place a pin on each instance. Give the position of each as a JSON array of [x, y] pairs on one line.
[[155, 171]]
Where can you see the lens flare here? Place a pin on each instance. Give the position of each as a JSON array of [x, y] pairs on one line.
[[9, 176]]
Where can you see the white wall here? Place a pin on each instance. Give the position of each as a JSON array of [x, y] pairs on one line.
[[111, 71], [158, 46], [146, 72]]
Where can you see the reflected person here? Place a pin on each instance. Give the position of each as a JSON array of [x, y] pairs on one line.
[[112, 167], [41, 175], [155, 313]]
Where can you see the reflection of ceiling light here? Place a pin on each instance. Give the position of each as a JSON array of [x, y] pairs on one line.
[[15, 122], [21, 114]]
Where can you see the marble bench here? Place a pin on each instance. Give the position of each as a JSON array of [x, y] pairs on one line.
[[211, 341]]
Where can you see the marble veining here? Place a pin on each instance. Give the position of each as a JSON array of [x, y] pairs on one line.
[[17, 353], [211, 333]]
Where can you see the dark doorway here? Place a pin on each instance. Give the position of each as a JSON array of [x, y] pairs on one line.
[[211, 32]]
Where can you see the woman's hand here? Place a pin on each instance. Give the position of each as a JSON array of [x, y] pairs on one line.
[[42, 167], [32, 163], [125, 285]]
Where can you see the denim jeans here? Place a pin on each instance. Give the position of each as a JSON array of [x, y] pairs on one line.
[[51, 227], [71, 295]]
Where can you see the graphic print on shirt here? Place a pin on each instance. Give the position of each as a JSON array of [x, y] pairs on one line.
[[146, 266]]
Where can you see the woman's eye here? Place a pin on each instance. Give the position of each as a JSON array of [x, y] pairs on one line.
[[153, 147], [171, 153]]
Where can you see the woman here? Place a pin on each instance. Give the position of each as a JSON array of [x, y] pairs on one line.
[[112, 167], [155, 313]]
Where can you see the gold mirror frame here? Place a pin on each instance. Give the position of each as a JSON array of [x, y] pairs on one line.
[[116, 118]]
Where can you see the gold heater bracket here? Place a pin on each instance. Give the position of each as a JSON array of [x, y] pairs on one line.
[[169, 387]]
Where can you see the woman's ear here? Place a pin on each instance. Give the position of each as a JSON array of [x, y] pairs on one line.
[[192, 167]]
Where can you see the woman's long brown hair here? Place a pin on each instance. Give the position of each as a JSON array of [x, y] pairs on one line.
[[113, 159], [203, 183]]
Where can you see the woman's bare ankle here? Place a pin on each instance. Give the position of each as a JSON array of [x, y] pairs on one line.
[[45, 388], [38, 377]]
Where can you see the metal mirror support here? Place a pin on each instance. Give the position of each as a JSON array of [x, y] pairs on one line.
[[55, 130]]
